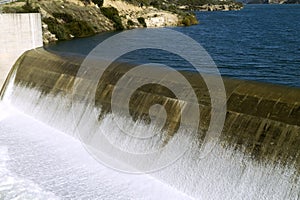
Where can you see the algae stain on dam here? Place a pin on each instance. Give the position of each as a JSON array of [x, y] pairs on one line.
[[258, 154]]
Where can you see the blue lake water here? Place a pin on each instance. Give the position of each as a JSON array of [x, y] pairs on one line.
[[260, 42]]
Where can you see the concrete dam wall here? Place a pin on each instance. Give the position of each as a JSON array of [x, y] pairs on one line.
[[262, 120], [18, 33]]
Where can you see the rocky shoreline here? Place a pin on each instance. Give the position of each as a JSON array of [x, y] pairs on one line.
[[220, 7], [67, 19], [273, 2], [214, 7]]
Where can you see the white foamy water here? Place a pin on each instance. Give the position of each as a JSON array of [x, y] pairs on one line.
[[38, 162], [14, 187]]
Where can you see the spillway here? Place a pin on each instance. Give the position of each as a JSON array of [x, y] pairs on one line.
[[257, 155]]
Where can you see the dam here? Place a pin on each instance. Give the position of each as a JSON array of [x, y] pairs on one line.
[[47, 126], [19, 32], [259, 145]]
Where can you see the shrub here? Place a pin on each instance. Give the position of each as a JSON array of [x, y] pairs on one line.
[[86, 2], [113, 14], [64, 31], [26, 8], [64, 16], [80, 29], [141, 20], [155, 4], [109, 12], [12, 9], [189, 20], [186, 22], [130, 22], [56, 28], [29, 9], [98, 2]]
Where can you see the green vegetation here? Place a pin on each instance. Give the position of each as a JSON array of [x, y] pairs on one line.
[[163, 5], [189, 20], [26, 8], [194, 4], [130, 22], [64, 26], [113, 14], [67, 19], [97, 2], [172, 5], [141, 20]]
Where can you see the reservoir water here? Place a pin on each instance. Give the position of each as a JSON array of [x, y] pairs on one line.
[[40, 157], [260, 42]]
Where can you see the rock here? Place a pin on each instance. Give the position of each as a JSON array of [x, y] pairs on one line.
[[67, 19], [153, 16], [48, 37], [219, 7]]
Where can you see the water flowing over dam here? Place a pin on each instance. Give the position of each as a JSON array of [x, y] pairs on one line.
[[257, 155]]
